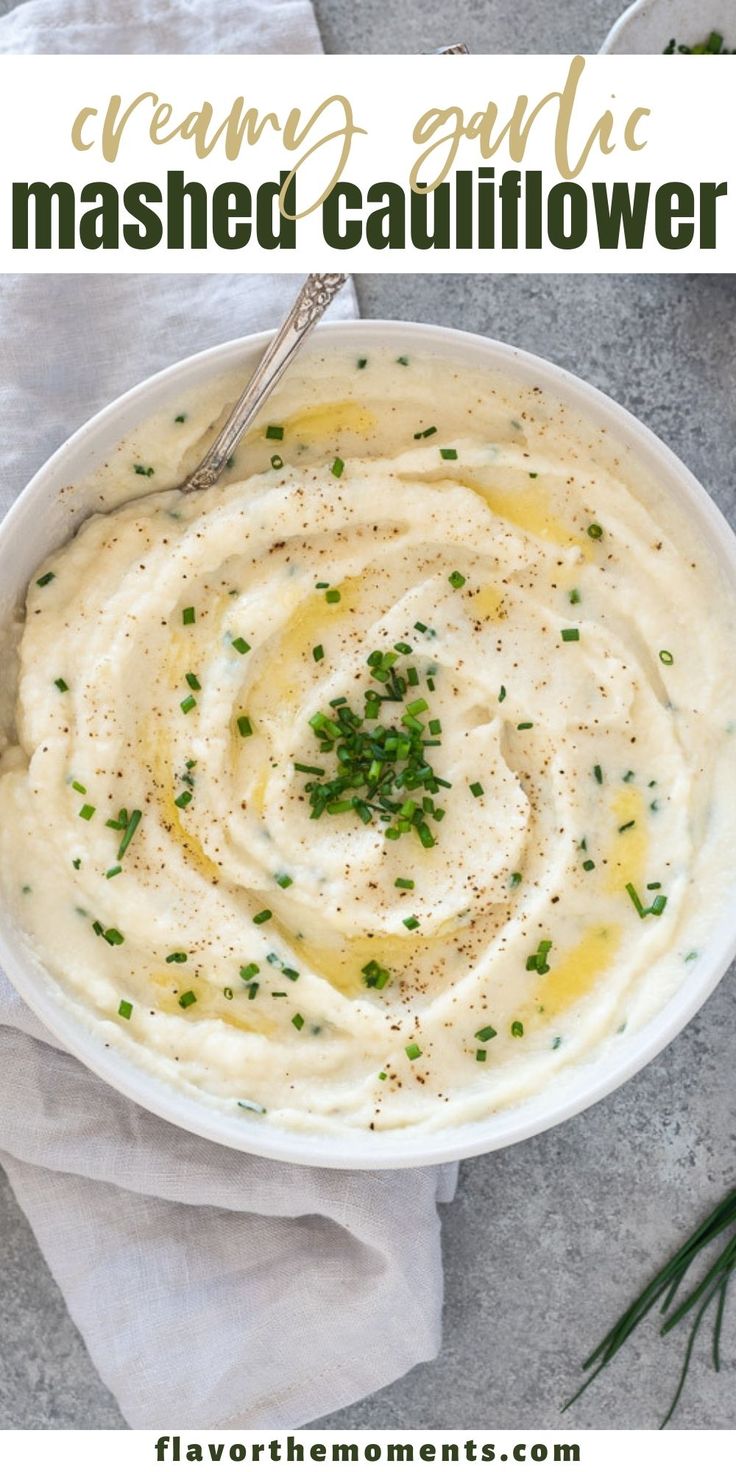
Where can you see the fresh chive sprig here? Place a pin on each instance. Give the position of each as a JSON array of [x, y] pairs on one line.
[[711, 1287]]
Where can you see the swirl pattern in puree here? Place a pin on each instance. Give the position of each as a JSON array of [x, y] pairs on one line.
[[334, 971]]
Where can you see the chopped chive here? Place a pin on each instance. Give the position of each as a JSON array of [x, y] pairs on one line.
[[424, 434], [241, 645], [362, 362], [179, 418], [502, 695], [411, 922], [636, 902], [413, 1051], [337, 467], [276, 462], [76, 863], [666, 657], [177, 958], [448, 454], [595, 531], [275, 432], [284, 881], [375, 975], [144, 470], [248, 972], [111, 873], [655, 908], [125, 1010], [188, 704], [403, 883], [533, 474], [626, 826], [187, 1000], [47, 578], [574, 595], [228, 993], [515, 880], [457, 580], [403, 361], [79, 787], [183, 800], [525, 726], [484, 1034], [113, 936], [244, 726], [538, 961], [188, 615], [61, 685], [588, 865], [570, 636], [192, 681], [517, 1029], [383, 1076], [477, 789], [598, 774], [318, 653], [333, 595], [87, 811], [481, 1054], [262, 917], [310, 771], [297, 1021]]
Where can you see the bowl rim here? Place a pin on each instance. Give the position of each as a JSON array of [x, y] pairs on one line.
[[402, 1148], [632, 23]]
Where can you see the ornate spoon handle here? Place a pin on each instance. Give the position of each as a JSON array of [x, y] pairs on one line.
[[313, 300]]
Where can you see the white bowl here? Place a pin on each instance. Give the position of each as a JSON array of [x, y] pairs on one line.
[[649, 25], [40, 520]]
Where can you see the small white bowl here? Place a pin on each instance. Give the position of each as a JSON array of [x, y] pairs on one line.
[[41, 520], [649, 25]]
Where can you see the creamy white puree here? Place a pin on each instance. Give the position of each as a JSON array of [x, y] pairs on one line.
[[601, 766]]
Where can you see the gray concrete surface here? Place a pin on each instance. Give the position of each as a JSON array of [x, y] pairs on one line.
[[545, 1242]]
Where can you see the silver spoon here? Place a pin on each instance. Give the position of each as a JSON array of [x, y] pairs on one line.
[[311, 303]]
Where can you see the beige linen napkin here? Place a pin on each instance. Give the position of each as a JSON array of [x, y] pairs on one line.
[[213, 1289]]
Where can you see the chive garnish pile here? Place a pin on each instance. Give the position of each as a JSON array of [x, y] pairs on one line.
[[382, 772]]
